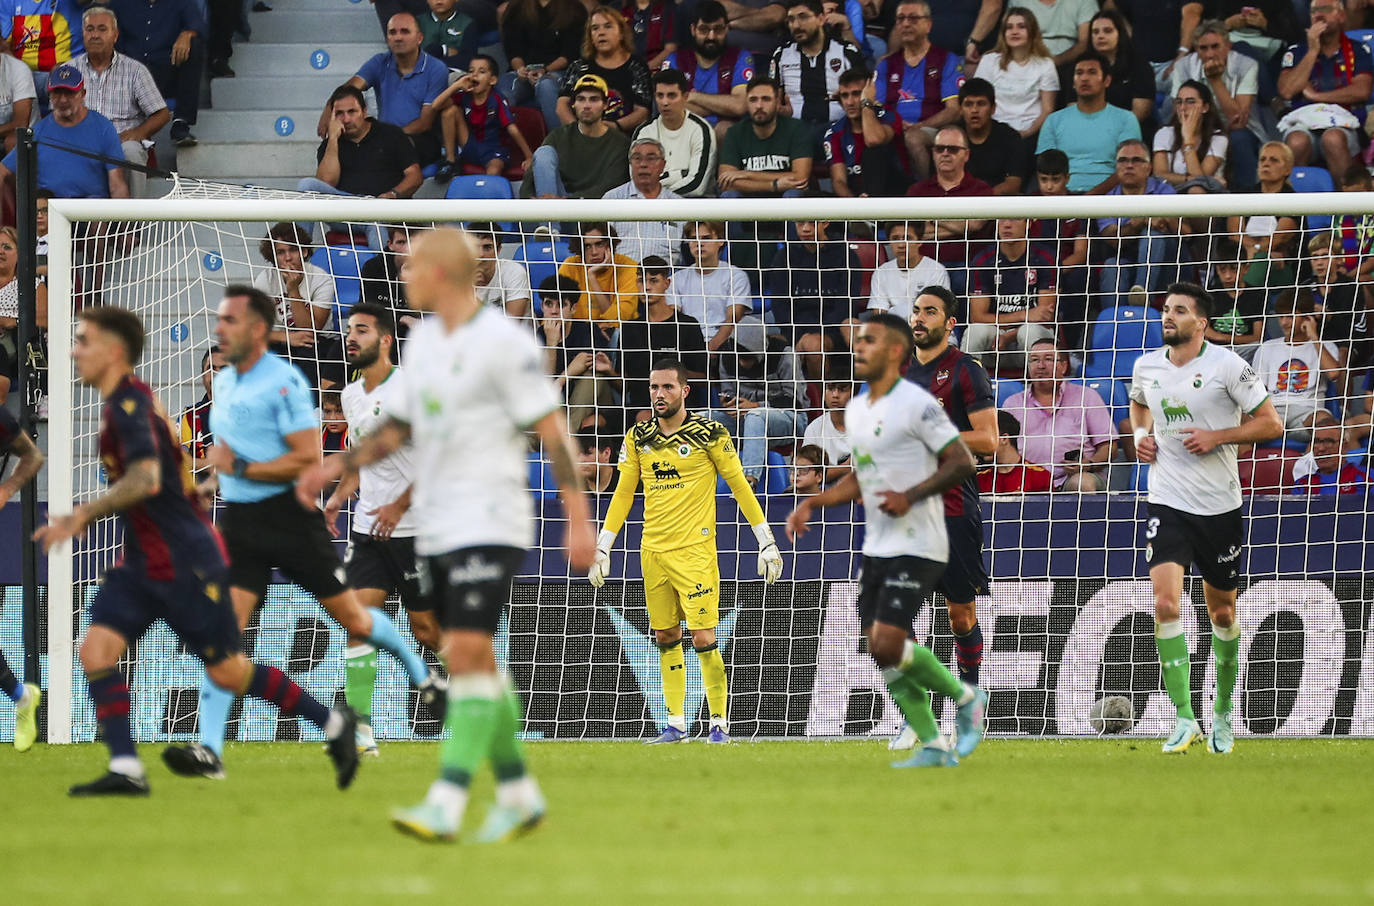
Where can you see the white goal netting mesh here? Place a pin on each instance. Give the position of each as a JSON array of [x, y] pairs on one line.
[[759, 312]]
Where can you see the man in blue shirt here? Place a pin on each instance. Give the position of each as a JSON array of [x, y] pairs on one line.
[[266, 434], [407, 82], [718, 74], [167, 36], [1146, 244], [74, 125], [1089, 131]]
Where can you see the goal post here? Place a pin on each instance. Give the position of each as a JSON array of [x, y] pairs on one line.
[[1068, 618]]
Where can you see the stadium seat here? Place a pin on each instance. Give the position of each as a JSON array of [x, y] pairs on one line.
[[541, 259], [1140, 477], [870, 255], [1005, 388], [1119, 336], [1114, 393], [1267, 471], [1364, 35], [480, 187], [345, 264], [1313, 179], [542, 483], [776, 476]]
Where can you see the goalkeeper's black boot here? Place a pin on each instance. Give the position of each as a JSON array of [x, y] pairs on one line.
[[112, 784], [434, 695], [193, 760], [343, 749]]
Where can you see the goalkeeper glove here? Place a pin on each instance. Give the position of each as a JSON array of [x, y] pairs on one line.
[[770, 558], [601, 567]]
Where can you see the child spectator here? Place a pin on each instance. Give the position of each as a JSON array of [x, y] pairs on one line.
[[1238, 319], [1292, 366], [1008, 473], [334, 427], [897, 283], [827, 432], [808, 467], [474, 117]]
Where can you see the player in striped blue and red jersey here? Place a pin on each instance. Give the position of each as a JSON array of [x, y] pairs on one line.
[[26, 696], [963, 389], [173, 567], [864, 150], [474, 117]]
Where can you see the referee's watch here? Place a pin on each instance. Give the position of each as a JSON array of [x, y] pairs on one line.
[[239, 467]]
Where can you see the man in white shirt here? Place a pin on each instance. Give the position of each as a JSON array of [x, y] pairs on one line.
[[17, 95], [898, 282], [1192, 404], [1293, 365], [714, 292], [688, 141], [500, 281], [641, 238], [906, 454]]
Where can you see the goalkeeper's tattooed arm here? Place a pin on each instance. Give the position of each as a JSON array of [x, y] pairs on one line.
[[387, 440]]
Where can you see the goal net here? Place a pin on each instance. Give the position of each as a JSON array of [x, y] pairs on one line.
[[1056, 297]]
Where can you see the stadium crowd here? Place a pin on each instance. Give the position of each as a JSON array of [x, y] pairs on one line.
[[658, 100]]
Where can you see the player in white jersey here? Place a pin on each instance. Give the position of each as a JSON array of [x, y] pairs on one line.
[[906, 453], [1192, 403], [381, 546], [481, 388]]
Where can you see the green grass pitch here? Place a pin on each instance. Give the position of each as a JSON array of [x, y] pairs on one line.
[[767, 822]]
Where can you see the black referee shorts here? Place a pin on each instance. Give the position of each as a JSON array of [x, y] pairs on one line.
[[965, 575], [279, 532], [1213, 543]]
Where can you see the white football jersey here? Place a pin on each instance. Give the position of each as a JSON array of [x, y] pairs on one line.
[[1210, 392], [385, 480], [896, 442], [481, 387]]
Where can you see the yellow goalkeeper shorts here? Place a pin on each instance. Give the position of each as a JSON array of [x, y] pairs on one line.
[[682, 584]]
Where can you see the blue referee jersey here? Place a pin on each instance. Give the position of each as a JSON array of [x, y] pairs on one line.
[[253, 413]]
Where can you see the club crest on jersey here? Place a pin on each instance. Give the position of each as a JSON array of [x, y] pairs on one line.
[[942, 375], [835, 65], [1031, 276], [1197, 381], [683, 450]]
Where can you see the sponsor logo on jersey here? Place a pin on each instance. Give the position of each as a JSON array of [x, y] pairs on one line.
[[700, 592], [1174, 410], [664, 471]]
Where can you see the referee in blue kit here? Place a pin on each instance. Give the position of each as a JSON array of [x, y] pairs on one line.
[[266, 433]]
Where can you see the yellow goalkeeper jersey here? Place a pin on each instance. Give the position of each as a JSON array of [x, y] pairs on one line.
[[679, 473]]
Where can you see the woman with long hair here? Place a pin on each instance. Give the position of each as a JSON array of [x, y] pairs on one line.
[[608, 52], [1022, 72], [1133, 80], [1190, 152], [541, 39]]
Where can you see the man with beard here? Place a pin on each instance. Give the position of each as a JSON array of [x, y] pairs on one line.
[[1192, 404], [381, 548], [716, 74], [961, 385], [767, 155], [906, 453], [809, 68], [678, 455]]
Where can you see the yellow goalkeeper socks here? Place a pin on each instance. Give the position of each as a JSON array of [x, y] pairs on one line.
[[672, 666], [713, 677]]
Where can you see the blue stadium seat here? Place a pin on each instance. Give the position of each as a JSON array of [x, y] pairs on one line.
[[1364, 35], [1313, 179], [1119, 337], [1114, 393], [777, 476], [541, 259], [1006, 387], [345, 264], [1140, 477], [474, 187], [542, 483]]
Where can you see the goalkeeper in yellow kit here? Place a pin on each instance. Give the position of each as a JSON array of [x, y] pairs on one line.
[[678, 454]]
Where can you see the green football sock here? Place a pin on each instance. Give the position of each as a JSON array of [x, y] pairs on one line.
[[1173, 661], [1227, 652], [474, 712], [360, 679], [914, 703], [926, 671], [507, 752]]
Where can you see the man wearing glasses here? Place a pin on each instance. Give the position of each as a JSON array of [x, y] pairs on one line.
[[952, 238], [1329, 69], [1234, 80], [1090, 130], [918, 81], [641, 238], [1146, 244]]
